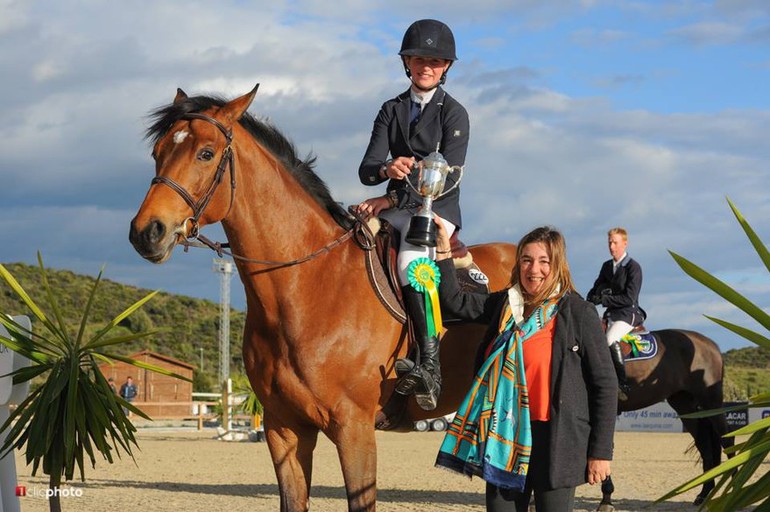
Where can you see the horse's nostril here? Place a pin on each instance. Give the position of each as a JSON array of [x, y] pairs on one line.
[[152, 234], [155, 231]]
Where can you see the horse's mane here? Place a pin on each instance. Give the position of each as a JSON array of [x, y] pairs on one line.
[[268, 136]]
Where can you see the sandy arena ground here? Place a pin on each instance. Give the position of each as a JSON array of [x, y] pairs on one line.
[[189, 470]]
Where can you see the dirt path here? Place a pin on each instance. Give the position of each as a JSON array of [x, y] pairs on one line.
[[191, 471]]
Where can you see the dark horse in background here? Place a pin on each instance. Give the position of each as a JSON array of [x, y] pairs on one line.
[[687, 371], [318, 345]]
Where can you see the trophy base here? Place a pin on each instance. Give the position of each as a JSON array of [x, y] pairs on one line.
[[422, 231]]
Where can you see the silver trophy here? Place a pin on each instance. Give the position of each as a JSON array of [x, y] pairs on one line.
[[433, 171]]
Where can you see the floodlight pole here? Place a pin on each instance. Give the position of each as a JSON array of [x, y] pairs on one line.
[[225, 269]]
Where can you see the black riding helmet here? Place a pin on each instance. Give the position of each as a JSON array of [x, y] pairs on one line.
[[428, 38]]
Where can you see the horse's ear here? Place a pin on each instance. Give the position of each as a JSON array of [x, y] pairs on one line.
[[233, 110], [180, 96]]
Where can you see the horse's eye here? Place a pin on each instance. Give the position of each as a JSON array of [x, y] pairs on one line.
[[205, 154]]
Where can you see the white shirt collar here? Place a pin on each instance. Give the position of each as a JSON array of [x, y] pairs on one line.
[[423, 98], [616, 263], [516, 301]]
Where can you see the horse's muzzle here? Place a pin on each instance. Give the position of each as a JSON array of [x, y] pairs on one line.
[[149, 241]]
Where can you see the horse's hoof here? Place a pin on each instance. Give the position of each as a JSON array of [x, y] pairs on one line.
[[605, 507], [699, 500]]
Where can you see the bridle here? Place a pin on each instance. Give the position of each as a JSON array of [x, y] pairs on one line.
[[198, 207]]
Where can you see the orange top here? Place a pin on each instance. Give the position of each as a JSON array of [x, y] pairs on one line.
[[537, 368]]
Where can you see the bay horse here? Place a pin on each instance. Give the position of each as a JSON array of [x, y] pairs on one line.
[[318, 346], [687, 370]]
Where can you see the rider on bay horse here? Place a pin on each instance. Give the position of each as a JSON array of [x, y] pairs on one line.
[[409, 127], [617, 289]]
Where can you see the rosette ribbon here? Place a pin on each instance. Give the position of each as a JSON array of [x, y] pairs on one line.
[[424, 276]]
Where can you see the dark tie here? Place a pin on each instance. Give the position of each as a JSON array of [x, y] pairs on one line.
[[414, 116]]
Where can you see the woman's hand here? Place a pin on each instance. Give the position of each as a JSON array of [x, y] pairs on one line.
[[399, 168], [373, 206], [443, 248], [598, 470]]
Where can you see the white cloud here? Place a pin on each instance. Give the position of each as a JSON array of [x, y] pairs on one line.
[[75, 106], [708, 33]]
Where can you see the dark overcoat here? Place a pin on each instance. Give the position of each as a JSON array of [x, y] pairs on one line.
[[619, 292], [584, 388]]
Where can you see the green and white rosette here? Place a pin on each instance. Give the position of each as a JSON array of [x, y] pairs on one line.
[[424, 276]]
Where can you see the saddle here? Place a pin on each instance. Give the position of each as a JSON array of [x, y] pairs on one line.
[[381, 241], [383, 272]]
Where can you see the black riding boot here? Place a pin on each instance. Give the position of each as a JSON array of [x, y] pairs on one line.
[[423, 376], [620, 369]]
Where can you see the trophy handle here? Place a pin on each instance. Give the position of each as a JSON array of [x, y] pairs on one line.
[[454, 168], [408, 179]]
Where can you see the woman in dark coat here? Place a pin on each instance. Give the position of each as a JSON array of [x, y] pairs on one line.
[[540, 416]]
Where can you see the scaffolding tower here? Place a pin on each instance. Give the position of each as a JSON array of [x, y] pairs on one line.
[[225, 270]]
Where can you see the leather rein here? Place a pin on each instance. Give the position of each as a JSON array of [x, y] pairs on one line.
[[198, 207]]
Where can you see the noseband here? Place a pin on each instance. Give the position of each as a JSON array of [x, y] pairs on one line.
[[199, 206]]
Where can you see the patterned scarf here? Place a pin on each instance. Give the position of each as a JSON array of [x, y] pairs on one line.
[[490, 437]]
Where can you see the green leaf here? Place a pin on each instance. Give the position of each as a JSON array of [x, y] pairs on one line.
[[87, 310], [62, 330], [147, 366], [122, 316], [757, 451], [760, 247], [24, 350], [119, 339], [752, 427], [29, 372], [14, 284], [722, 289], [750, 335], [25, 337], [706, 413]]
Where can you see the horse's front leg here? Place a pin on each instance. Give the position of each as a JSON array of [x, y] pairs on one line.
[[291, 448], [357, 450]]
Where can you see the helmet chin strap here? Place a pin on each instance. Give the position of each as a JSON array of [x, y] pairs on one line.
[[424, 89], [441, 81]]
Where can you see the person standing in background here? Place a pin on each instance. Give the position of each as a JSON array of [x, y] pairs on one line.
[[128, 392]]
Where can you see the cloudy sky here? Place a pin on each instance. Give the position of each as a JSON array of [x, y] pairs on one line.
[[584, 115]]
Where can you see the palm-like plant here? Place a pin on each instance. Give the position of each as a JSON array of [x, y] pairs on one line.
[[251, 404], [733, 491], [74, 413]]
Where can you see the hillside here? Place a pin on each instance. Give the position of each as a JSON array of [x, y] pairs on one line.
[[191, 324], [746, 372], [186, 324]]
